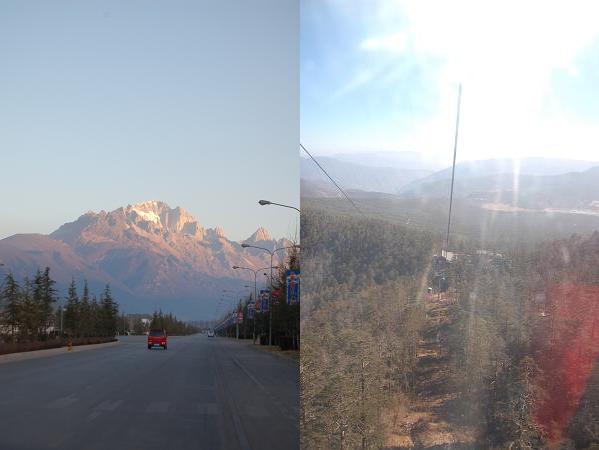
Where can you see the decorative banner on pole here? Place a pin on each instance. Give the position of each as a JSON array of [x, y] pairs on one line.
[[292, 279], [251, 310], [264, 299], [275, 296]]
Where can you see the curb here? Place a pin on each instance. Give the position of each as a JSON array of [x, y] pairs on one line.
[[35, 354], [260, 348]]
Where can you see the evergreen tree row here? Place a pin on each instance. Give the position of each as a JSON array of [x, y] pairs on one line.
[[171, 324], [85, 317], [28, 310]]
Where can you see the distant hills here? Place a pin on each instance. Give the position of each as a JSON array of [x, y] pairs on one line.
[[397, 160], [151, 254], [353, 175], [531, 183], [534, 184]]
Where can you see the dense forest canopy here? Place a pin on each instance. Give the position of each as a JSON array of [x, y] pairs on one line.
[[504, 357]]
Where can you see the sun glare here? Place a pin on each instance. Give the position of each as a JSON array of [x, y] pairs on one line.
[[506, 55]]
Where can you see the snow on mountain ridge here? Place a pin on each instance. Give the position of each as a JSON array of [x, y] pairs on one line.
[[163, 216], [151, 218]]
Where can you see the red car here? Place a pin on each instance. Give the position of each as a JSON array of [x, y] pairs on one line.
[[157, 338]]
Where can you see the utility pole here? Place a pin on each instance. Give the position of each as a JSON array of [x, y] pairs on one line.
[[270, 303], [455, 150], [244, 321]]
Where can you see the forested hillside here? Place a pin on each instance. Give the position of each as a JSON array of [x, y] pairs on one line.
[[361, 315], [470, 223], [504, 358]]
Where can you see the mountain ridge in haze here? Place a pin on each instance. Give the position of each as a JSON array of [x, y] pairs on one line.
[[535, 166], [351, 175], [567, 191], [494, 179]]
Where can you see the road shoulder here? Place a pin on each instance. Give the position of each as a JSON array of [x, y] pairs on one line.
[[22, 356], [289, 355]]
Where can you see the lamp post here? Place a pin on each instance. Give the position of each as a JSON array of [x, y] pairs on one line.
[[255, 272], [268, 202], [237, 322], [237, 309], [216, 313], [228, 304], [220, 303], [271, 253]]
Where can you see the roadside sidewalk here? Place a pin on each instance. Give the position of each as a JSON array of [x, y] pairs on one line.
[[292, 355], [22, 356], [275, 350]]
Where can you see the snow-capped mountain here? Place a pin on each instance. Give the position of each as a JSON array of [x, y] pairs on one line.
[[149, 252]]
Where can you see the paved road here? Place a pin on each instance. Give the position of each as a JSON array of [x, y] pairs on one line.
[[202, 393]]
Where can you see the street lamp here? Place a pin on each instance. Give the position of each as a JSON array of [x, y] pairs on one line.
[[271, 253], [236, 310], [267, 202], [226, 313], [255, 289]]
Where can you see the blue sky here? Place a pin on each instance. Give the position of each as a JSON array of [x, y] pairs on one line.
[[383, 75], [107, 103]]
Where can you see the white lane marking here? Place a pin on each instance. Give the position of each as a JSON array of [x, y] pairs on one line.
[[222, 386], [255, 410], [158, 407], [94, 415], [210, 409], [108, 405], [63, 402], [59, 441], [283, 408]]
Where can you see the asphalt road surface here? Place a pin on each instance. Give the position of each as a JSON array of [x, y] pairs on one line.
[[202, 393]]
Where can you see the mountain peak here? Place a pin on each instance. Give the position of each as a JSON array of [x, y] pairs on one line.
[[215, 233], [159, 215], [259, 235], [262, 235], [150, 205]]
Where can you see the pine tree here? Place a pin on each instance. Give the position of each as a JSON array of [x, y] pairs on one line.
[[37, 310], [29, 312], [94, 325], [86, 323], [108, 313], [48, 299], [72, 311], [11, 296], [157, 320]]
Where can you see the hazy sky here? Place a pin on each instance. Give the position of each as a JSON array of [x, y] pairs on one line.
[[107, 103], [383, 75]]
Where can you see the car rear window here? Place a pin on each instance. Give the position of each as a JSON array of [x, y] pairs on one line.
[[157, 333]]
